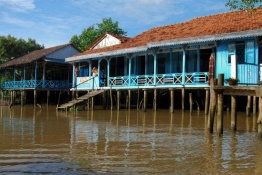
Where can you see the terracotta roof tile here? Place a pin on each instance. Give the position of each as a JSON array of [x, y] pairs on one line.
[[201, 26]]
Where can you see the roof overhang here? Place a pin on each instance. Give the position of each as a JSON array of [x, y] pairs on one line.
[[108, 53], [173, 42], [206, 38]]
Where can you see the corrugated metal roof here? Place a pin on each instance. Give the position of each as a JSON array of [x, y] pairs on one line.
[[32, 56]]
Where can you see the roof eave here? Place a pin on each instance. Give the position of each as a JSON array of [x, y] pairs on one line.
[[180, 41], [106, 54], [206, 38]]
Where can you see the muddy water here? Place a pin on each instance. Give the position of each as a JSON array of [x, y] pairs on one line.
[[44, 141]]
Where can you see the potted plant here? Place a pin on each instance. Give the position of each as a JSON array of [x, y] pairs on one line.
[[232, 81]]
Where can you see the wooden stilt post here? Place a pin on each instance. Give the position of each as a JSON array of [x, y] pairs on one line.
[[198, 100], [35, 95], [213, 96], [88, 103], [254, 105], [129, 98], [14, 94], [137, 102], [154, 101], [220, 104], [206, 101], [118, 99], [233, 113], [259, 120], [212, 109], [73, 95], [171, 100], [145, 100], [183, 99], [12, 97], [191, 103], [248, 106], [47, 97], [111, 99], [92, 103], [22, 97], [2, 96], [104, 100], [76, 94]]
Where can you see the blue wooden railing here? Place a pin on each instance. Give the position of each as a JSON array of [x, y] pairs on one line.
[[192, 79], [40, 84], [195, 78]]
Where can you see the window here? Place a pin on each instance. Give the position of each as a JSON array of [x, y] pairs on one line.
[[250, 56], [231, 51], [244, 51]]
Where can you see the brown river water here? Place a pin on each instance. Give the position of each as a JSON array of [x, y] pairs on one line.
[[46, 141]]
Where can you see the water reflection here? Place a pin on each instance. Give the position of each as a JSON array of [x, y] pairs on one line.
[[124, 142]]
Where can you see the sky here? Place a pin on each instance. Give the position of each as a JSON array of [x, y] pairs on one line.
[[54, 22]]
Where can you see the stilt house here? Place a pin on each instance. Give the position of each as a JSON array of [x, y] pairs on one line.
[[42, 71], [177, 56]]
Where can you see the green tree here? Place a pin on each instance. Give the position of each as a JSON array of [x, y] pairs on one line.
[[244, 4], [11, 47], [90, 34]]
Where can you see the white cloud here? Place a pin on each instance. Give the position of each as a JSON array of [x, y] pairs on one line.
[[6, 18], [18, 5]]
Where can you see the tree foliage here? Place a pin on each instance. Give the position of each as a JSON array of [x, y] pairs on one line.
[[244, 4], [11, 47], [90, 34]]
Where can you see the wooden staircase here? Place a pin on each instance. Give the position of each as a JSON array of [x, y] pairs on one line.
[[71, 103]]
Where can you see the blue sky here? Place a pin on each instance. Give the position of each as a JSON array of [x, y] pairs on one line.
[[54, 22]]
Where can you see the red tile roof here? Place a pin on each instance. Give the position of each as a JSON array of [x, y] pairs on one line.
[[223, 23]]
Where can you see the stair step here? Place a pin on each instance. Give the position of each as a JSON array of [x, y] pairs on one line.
[[80, 99]]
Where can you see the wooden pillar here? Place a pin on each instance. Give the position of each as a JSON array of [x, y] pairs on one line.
[[220, 99], [259, 120], [44, 76], [183, 99], [35, 95], [254, 105], [137, 102], [104, 100], [73, 95], [155, 63], [233, 113], [129, 98], [212, 109], [92, 103], [154, 100], [2, 95], [118, 99], [111, 99], [207, 102], [145, 100], [76, 93], [248, 105], [47, 97], [22, 97], [171, 108], [191, 103], [220, 104], [11, 97]]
